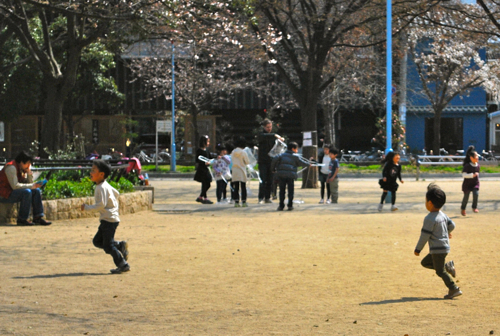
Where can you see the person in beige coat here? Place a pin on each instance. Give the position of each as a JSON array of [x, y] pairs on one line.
[[240, 159]]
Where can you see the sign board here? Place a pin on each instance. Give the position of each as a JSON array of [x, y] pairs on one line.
[[164, 125]]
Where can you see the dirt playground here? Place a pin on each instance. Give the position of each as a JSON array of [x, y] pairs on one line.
[[337, 269]]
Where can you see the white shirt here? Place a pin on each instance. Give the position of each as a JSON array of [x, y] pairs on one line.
[[106, 202], [326, 163]]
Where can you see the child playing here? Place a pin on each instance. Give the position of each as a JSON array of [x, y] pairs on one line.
[[240, 159], [202, 174], [333, 178], [391, 172], [222, 173], [437, 230], [285, 166], [470, 172], [106, 203], [323, 174]]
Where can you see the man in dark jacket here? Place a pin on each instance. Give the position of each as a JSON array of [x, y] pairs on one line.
[[285, 166], [266, 141]]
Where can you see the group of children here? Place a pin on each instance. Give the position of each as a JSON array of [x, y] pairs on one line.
[[228, 169]]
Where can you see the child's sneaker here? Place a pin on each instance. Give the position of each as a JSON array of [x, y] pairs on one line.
[[199, 199], [328, 201], [225, 201], [463, 213], [380, 207], [475, 210], [237, 205], [453, 293], [450, 268], [321, 201], [280, 208], [124, 249], [290, 208], [394, 208], [244, 205], [121, 269], [207, 201]]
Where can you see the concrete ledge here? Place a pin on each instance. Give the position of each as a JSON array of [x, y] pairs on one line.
[[69, 208]]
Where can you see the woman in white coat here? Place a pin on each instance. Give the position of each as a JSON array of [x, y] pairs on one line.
[[239, 158]]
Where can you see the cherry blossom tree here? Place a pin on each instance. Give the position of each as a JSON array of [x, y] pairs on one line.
[[448, 63]]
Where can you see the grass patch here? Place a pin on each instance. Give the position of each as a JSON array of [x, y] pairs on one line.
[[166, 168]]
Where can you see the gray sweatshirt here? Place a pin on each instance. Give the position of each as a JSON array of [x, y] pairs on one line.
[[436, 229], [106, 202]]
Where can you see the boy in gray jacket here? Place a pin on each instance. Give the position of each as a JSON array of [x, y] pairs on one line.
[[437, 231]]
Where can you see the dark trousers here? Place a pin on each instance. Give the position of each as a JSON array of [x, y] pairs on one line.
[[322, 180], [475, 197], [236, 191], [266, 177], [105, 239], [286, 182], [27, 198], [436, 262], [204, 188], [220, 192]]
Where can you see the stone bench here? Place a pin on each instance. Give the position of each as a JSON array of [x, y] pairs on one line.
[[69, 208]]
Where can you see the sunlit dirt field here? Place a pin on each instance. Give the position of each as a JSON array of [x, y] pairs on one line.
[[342, 269]]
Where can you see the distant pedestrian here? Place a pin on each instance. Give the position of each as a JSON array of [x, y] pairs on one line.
[[333, 175], [266, 141], [202, 174], [470, 173], [240, 160], [285, 165], [388, 182], [324, 159], [222, 173]]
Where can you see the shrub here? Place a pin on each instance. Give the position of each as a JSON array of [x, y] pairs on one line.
[[55, 189]]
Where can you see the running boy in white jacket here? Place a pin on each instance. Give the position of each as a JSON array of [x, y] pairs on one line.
[[106, 202]]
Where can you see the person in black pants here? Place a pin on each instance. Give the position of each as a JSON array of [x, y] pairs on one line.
[[202, 174], [285, 166], [266, 141]]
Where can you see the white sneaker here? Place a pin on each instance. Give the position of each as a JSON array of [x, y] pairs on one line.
[[231, 201], [380, 206], [394, 208], [224, 201], [328, 201], [321, 201]]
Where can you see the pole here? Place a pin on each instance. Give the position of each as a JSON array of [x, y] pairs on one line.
[[389, 79], [156, 146], [172, 150]]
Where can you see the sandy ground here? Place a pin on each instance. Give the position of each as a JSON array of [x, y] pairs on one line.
[[342, 269]]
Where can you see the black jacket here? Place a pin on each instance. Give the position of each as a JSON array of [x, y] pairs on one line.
[[266, 143], [286, 165]]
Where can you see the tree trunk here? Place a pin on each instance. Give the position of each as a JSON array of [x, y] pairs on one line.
[[52, 122], [436, 142], [329, 121], [309, 124]]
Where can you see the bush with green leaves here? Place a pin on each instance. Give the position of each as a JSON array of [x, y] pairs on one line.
[[56, 189]]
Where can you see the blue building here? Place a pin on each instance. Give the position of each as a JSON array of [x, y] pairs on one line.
[[464, 121]]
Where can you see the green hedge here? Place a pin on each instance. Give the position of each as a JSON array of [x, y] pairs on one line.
[[56, 189]]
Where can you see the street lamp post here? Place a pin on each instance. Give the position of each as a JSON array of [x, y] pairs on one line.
[[389, 79], [172, 150]]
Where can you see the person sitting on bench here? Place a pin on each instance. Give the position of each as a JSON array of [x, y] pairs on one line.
[[16, 185]]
